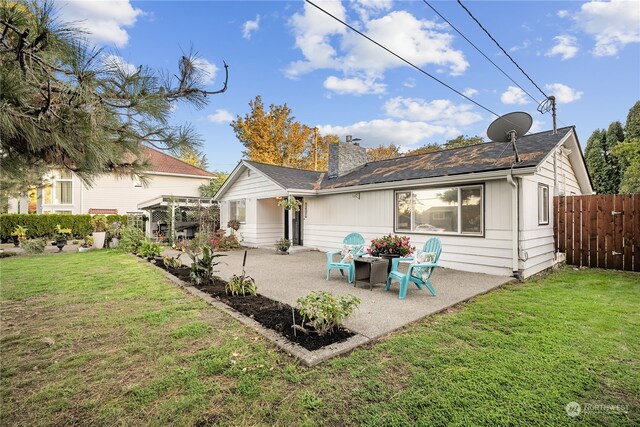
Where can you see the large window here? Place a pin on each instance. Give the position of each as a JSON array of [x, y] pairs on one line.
[[59, 190], [448, 210], [543, 204], [237, 210]]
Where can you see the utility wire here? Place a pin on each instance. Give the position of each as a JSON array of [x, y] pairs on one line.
[[401, 58], [481, 52], [502, 49]]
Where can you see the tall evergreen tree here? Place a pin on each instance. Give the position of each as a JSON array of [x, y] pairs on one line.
[[632, 126], [62, 107], [596, 164]]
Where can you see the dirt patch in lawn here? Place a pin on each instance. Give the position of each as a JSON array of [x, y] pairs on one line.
[[274, 315]]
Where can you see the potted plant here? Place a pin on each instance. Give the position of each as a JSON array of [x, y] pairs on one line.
[[19, 235], [100, 227], [391, 246], [234, 224], [282, 246], [88, 241], [290, 203], [115, 230], [61, 235]]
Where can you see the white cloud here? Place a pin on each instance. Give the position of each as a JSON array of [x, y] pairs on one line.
[[354, 86], [614, 24], [537, 126], [410, 83], [525, 44], [514, 95], [368, 8], [220, 116], [470, 92], [250, 26], [105, 21], [207, 69], [563, 93], [562, 13], [325, 44], [406, 134], [438, 111], [566, 47], [112, 61]]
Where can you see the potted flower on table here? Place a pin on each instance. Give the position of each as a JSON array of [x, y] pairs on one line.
[[391, 246]]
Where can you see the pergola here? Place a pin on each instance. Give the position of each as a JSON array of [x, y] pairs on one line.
[[181, 215]]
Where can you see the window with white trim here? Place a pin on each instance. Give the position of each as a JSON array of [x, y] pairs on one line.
[[59, 189], [543, 204], [237, 210], [445, 210]]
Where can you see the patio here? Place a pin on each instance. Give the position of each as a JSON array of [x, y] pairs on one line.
[[287, 277]]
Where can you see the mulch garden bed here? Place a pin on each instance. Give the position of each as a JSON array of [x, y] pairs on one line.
[[271, 314]]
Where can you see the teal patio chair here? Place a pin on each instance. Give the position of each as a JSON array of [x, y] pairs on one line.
[[419, 273], [353, 242]]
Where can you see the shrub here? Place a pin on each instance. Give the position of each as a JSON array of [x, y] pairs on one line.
[[44, 225], [34, 246], [225, 243], [130, 239], [202, 265], [241, 285], [149, 249], [326, 311]]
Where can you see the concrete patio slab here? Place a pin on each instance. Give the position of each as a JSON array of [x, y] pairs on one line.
[[285, 278]]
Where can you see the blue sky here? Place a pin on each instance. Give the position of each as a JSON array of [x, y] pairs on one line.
[[587, 54]]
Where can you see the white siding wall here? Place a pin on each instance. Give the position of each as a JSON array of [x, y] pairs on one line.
[[537, 241], [330, 218], [261, 225]]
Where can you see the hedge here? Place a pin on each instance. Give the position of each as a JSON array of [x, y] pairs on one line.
[[44, 225]]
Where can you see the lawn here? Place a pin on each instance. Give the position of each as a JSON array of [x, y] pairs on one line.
[[102, 339]]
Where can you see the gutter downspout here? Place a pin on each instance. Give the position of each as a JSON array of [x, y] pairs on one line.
[[515, 229]]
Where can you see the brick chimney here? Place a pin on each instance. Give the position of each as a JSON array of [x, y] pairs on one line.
[[345, 157]]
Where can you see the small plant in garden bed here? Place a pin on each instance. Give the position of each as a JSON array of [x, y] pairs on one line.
[[220, 242], [149, 250], [202, 265], [325, 311], [131, 239], [172, 262], [242, 284]]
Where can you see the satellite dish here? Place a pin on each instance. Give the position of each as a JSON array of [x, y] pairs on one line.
[[509, 127]]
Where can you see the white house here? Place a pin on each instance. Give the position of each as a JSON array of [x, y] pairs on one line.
[[64, 192], [493, 215]]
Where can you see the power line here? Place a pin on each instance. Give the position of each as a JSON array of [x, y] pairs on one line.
[[402, 59], [502, 49], [481, 52]]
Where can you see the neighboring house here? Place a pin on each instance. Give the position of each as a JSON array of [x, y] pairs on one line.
[[64, 192], [492, 215]]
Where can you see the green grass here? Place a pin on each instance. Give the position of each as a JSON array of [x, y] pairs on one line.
[[102, 339]]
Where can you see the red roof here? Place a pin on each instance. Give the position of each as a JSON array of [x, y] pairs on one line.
[[93, 211], [164, 163]]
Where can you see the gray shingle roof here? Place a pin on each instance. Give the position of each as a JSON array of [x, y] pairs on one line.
[[289, 177], [490, 156]]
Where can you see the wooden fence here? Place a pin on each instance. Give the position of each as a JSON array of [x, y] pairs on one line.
[[599, 231]]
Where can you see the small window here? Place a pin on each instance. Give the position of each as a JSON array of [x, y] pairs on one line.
[[543, 204], [237, 210]]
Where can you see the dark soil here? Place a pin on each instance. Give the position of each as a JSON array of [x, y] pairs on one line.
[[269, 313]]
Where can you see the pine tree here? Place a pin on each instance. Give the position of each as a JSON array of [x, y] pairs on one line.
[[62, 107], [632, 126]]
